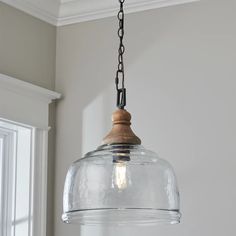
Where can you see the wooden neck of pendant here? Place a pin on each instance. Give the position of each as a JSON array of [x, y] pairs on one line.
[[121, 132]]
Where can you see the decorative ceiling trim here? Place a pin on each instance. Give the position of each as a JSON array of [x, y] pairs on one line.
[[66, 12]]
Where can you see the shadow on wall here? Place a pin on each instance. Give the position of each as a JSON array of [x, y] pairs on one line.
[[142, 89], [91, 67]]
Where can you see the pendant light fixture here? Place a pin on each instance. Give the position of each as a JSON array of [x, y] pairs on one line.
[[121, 182]]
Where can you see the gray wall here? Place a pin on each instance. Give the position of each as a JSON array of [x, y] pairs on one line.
[[27, 47], [27, 52], [180, 77]]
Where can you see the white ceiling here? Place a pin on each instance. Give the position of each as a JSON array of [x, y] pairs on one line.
[[63, 12]]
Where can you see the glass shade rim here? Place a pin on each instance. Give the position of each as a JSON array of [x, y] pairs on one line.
[[128, 216]]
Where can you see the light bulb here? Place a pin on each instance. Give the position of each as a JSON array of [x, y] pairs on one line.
[[120, 175]]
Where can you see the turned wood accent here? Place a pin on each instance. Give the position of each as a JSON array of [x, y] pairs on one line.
[[121, 131]]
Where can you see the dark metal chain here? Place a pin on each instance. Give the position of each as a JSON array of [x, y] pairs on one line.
[[121, 91]]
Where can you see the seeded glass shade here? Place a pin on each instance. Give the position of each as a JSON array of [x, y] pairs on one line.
[[121, 184]]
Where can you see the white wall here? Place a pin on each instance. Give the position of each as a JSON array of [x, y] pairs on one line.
[[180, 77]]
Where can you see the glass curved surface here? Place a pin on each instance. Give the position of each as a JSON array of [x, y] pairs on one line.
[[121, 184]]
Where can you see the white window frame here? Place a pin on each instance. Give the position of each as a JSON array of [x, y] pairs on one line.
[[27, 104]]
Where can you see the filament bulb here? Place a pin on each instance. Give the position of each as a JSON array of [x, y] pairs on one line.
[[120, 175]]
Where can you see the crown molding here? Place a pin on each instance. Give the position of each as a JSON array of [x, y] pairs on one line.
[[64, 12], [70, 16]]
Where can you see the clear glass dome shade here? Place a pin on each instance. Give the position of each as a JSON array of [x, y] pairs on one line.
[[121, 184]]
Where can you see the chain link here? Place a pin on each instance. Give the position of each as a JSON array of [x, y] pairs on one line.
[[121, 91]]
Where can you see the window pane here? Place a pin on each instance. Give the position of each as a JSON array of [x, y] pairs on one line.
[[22, 174], [21, 229], [1, 187], [16, 175]]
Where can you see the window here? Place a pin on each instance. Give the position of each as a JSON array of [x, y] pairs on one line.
[[23, 157], [17, 162]]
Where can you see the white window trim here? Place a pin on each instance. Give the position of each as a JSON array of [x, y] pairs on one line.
[[28, 104]]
